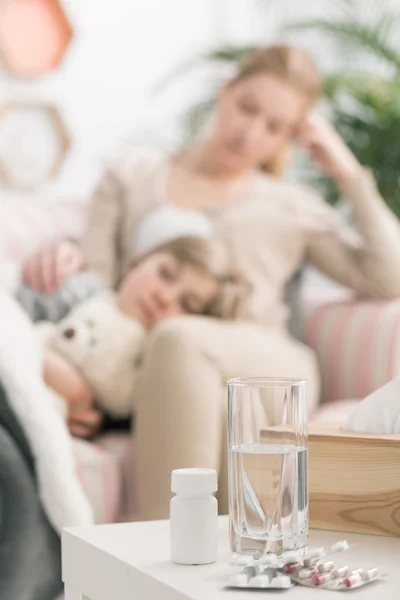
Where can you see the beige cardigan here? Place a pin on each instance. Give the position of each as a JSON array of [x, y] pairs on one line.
[[271, 230]]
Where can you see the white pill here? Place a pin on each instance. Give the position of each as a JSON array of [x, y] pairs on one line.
[[305, 573], [291, 557], [248, 571], [371, 573], [326, 567], [341, 571], [340, 546], [242, 561], [315, 552], [321, 578], [267, 559], [360, 572], [311, 562], [282, 581], [238, 581], [292, 567], [259, 569], [353, 580], [260, 581]]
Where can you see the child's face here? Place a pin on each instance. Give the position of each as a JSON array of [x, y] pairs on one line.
[[161, 287]]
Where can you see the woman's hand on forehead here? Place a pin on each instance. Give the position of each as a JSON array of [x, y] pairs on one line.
[[327, 149]]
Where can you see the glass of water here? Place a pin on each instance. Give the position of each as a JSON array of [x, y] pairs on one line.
[[268, 492]]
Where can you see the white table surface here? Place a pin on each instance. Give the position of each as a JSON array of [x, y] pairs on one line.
[[131, 562]]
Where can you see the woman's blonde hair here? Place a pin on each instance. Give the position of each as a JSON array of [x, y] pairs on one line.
[[291, 65], [211, 257]]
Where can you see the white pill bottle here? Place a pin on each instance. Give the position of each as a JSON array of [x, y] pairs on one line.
[[194, 516]]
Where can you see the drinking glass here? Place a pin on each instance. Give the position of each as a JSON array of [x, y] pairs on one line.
[[268, 492]]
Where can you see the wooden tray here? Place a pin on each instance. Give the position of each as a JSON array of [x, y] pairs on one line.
[[354, 480]]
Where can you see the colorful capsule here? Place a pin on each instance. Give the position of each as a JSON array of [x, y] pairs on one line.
[[341, 571], [326, 567], [305, 573], [291, 567], [321, 578], [353, 579]]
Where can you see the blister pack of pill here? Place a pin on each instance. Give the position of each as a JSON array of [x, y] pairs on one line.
[[316, 568], [329, 577], [260, 577]]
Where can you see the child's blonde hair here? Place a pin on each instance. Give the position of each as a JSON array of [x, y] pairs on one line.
[[212, 257]]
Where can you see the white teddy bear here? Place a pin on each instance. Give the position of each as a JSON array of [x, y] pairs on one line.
[[105, 345]]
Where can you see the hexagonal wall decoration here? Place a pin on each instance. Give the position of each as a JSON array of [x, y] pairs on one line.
[[33, 144], [34, 35]]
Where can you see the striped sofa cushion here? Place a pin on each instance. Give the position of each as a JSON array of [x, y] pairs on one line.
[[121, 446], [357, 345], [100, 474]]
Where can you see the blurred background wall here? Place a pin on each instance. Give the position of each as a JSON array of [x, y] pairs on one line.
[[102, 87], [107, 87]]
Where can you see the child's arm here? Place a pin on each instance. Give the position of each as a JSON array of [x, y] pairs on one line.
[[65, 379], [84, 420]]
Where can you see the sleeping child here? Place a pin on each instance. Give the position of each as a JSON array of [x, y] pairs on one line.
[[97, 349]]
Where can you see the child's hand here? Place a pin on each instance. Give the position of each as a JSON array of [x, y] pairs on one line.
[[64, 378], [48, 268], [84, 422]]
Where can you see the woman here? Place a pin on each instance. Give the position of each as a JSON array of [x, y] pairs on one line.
[[233, 177]]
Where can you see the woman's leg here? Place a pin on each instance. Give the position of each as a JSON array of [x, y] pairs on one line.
[[178, 421], [181, 399]]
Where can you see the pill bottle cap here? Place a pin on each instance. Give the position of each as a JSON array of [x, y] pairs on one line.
[[194, 481]]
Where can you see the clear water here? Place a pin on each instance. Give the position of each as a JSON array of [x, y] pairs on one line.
[[268, 498]]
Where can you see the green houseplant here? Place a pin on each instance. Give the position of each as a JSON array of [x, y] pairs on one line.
[[364, 101], [363, 104]]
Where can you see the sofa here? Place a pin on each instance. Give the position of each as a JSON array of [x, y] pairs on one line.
[[357, 344]]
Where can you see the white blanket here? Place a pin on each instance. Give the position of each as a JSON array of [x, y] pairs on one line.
[[21, 375]]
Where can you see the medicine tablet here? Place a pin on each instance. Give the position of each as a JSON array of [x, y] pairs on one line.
[[282, 581], [238, 580], [371, 573], [259, 569], [311, 562], [326, 567], [305, 573], [340, 546], [242, 561], [353, 580], [360, 572], [291, 567], [341, 571], [267, 559], [248, 571], [291, 557], [319, 578], [315, 552], [260, 581]]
